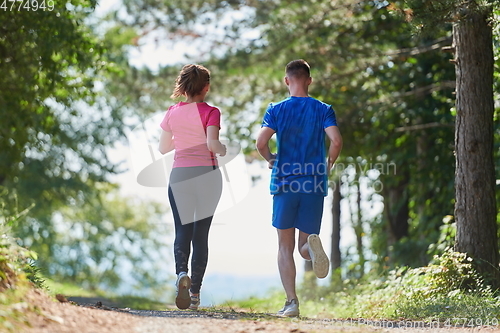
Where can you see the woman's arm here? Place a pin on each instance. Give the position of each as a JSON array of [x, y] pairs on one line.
[[213, 143], [166, 142]]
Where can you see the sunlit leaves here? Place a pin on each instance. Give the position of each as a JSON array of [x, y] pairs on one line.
[[100, 241]]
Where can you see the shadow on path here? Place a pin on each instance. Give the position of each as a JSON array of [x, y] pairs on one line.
[[95, 302], [109, 305]]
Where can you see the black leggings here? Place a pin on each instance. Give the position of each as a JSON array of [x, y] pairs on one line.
[[194, 193]]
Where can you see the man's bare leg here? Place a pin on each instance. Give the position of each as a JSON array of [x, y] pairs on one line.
[[303, 246], [286, 263]]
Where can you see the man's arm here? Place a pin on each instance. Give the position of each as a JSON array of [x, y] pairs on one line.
[[262, 145], [333, 134], [166, 142]]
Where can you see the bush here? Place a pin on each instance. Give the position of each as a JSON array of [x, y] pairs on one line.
[[16, 263], [16, 270], [449, 287]]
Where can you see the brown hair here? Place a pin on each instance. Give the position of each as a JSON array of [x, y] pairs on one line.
[[191, 80], [298, 68]]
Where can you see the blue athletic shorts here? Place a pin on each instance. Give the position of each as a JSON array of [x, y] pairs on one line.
[[298, 210]]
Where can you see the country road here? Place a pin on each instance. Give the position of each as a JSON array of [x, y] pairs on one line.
[[67, 317]]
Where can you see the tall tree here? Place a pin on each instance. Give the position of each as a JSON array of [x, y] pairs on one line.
[[52, 135], [58, 121], [475, 210], [475, 207]]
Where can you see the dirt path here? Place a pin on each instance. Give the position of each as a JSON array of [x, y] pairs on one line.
[[56, 317]]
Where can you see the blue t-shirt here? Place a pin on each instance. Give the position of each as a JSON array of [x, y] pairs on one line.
[[299, 123]]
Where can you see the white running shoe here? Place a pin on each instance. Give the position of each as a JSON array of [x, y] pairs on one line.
[[182, 298], [320, 262], [291, 309], [195, 302]]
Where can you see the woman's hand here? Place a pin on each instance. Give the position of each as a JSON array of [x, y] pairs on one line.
[[223, 150]]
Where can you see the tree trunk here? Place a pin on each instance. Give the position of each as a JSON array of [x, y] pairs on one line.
[[475, 207], [335, 258], [396, 208], [397, 212], [335, 251], [358, 230]]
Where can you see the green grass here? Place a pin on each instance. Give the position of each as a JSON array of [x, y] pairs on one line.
[[68, 289], [14, 283], [261, 305], [448, 291], [133, 302], [381, 301], [13, 308]]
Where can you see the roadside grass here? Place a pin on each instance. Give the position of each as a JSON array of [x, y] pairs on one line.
[[69, 289], [448, 291], [269, 304], [19, 276], [14, 283], [125, 301]]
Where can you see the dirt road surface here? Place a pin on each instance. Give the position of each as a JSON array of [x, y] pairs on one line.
[[68, 317]]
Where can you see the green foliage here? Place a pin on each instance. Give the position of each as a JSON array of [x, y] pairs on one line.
[[426, 16], [98, 241], [451, 288], [450, 272], [53, 136], [34, 274], [124, 301], [69, 289], [48, 60], [267, 305], [15, 270], [448, 288], [446, 240], [16, 262], [60, 114], [12, 310]]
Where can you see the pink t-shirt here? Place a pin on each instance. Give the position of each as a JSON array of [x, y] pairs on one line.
[[188, 123]]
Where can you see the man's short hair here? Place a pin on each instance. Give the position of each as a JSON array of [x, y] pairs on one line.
[[298, 68]]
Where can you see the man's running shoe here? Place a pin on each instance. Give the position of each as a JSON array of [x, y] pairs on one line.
[[320, 261], [291, 309]]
